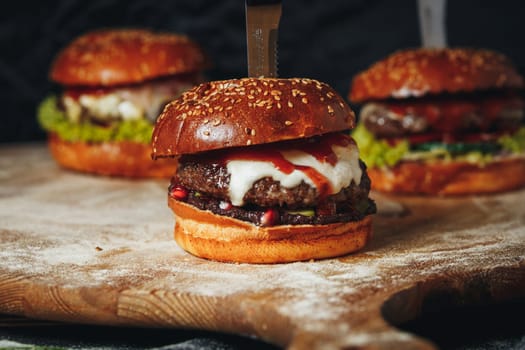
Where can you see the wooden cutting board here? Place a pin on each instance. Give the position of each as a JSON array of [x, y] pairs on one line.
[[78, 248]]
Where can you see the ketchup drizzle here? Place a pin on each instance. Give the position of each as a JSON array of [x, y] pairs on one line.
[[319, 147]]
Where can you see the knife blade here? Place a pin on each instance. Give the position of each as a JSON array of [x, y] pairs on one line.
[[262, 25], [432, 16]]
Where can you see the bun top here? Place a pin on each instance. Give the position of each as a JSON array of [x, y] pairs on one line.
[[248, 111], [417, 72], [125, 56]]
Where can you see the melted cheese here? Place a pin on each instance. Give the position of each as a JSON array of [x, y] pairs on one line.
[[126, 103], [244, 173]]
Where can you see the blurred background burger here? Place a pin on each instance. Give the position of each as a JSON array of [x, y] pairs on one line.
[[114, 84], [442, 121]]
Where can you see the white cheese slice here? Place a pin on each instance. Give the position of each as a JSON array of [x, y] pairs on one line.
[[244, 173]]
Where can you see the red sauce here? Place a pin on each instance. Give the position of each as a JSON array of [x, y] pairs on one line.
[[322, 151], [447, 114], [76, 92], [319, 147], [416, 139]]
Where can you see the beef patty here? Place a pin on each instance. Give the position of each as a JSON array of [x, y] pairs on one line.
[[213, 180]]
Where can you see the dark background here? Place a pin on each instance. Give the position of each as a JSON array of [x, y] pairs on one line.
[[329, 40]]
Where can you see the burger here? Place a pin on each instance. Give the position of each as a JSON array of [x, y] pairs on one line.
[[441, 122], [113, 84], [266, 171]]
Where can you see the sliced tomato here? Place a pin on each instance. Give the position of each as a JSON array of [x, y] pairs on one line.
[[447, 114], [448, 138]]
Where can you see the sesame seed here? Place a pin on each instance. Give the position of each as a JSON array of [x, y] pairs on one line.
[[216, 122], [253, 132], [290, 104], [249, 142], [206, 132], [304, 100], [278, 105], [288, 123], [205, 121], [330, 109]]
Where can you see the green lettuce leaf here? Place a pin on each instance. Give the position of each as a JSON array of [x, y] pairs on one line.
[[378, 153], [54, 120], [514, 143]]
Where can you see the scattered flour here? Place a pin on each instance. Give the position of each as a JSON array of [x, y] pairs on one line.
[[73, 231]]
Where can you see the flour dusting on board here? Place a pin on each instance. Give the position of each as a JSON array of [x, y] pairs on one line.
[[76, 231]]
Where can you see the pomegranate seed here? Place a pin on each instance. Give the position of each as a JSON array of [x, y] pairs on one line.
[[179, 192], [269, 217], [224, 205]]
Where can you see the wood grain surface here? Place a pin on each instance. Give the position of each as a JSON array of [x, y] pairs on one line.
[[97, 250]]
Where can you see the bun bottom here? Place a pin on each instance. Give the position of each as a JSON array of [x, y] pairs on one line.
[[450, 178], [222, 238], [124, 158]]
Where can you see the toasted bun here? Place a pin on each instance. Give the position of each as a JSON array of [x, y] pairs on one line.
[[127, 159], [248, 111], [113, 57], [222, 238], [417, 72], [450, 178]]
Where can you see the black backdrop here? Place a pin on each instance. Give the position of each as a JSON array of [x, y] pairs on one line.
[[329, 40]]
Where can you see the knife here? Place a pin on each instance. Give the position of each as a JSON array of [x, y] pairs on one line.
[[432, 16], [262, 24]]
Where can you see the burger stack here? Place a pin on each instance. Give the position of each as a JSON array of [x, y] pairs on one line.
[[114, 83], [441, 122], [267, 171]]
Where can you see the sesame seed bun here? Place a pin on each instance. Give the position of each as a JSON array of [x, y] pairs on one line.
[[248, 111], [126, 159], [125, 56], [418, 72], [450, 178], [223, 238]]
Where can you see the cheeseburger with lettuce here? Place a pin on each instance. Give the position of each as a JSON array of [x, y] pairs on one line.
[[113, 85], [441, 122]]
